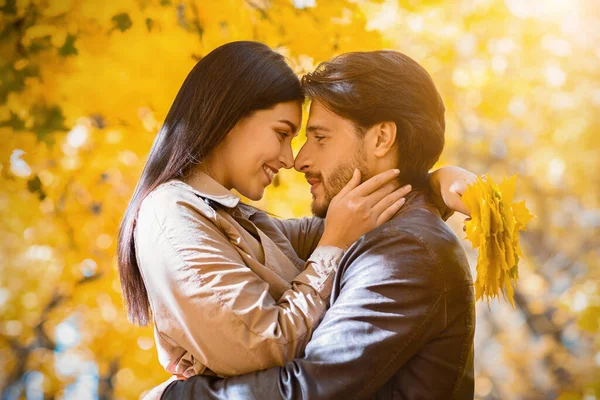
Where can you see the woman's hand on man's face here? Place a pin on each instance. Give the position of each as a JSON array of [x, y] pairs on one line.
[[359, 208]]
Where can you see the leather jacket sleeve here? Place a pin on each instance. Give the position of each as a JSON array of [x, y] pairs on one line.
[[388, 301]]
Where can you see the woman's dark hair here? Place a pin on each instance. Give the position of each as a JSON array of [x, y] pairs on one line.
[[379, 86], [228, 84]]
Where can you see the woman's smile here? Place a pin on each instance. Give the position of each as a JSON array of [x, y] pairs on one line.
[[270, 172]]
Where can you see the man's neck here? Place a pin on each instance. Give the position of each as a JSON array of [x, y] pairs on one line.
[[421, 182], [417, 198]]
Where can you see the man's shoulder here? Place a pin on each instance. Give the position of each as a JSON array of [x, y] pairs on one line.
[[415, 243], [421, 223]]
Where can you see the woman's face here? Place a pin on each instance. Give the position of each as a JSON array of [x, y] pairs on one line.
[[256, 148]]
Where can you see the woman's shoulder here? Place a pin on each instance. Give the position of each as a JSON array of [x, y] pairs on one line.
[[175, 198]]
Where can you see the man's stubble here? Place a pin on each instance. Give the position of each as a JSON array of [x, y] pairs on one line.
[[338, 178]]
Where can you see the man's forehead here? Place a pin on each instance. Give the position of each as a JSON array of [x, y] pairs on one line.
[[320, 117], [318, 109]]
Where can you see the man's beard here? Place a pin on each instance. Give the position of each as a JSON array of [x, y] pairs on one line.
[[337, 179]]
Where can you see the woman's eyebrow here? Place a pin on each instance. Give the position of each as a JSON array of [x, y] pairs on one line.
[[293, 127]]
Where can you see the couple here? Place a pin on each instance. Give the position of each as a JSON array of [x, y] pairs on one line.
[[372, 298]]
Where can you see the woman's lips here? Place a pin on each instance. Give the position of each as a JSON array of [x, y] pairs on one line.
[[269, 173], [269, 180]]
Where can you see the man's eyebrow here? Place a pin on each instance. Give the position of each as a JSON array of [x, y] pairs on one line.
[[313, 128], [293, 127]]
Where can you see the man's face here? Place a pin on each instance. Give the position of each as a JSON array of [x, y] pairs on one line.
[[328, 158]]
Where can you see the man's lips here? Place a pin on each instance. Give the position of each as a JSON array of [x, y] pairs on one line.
[[314, 183]]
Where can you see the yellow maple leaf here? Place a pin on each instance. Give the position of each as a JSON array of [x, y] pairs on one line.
[[494, 229]]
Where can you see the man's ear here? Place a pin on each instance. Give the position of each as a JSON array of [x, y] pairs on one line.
[[385, 134]]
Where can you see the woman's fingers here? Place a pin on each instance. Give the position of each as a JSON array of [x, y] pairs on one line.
[[390, 203], [465, 223], [389, 212], [375, 197], [376, 182], [454, 201], [453, 198], [351, 185], [382, 200]]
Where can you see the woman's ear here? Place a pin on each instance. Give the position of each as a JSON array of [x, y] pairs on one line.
[[385, 133]]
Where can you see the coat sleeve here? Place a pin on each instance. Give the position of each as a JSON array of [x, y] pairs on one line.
[[303, 233], [206, 299]]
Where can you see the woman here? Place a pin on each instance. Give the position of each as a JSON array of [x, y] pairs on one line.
[[230, 289]]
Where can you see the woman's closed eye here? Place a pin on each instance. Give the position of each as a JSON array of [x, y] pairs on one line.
[[283, 134]]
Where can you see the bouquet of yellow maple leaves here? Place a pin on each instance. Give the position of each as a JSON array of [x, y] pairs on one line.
[[494, 228]]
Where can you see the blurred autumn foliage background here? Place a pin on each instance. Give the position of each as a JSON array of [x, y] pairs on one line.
[[85, 84]]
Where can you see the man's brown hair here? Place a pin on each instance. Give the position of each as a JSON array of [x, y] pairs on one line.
[[372, 87]]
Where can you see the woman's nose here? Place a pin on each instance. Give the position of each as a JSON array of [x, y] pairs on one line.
[[287, 157]]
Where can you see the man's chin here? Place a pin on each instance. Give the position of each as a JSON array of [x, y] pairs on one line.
[[319, 209]]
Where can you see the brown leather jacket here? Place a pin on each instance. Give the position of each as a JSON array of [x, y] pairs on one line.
[[400, 326]]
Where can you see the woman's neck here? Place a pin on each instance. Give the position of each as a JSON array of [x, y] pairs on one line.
[[208, 167]]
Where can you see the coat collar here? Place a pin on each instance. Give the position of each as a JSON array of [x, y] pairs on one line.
[[207, 188]]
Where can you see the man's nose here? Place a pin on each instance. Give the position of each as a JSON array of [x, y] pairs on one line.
[[302, 160]]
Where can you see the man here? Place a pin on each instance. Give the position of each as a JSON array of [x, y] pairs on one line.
[[401, 321]]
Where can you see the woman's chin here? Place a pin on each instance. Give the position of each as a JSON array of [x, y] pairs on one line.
[[254, 195]]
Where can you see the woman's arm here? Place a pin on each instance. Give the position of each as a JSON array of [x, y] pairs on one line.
[[209, 302], [449, 183], [304, 234]]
